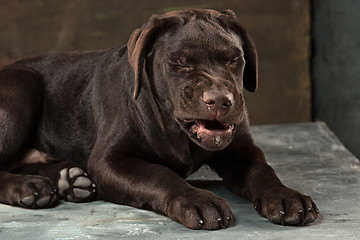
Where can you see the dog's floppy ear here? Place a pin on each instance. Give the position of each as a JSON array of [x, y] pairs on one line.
[[141, 42], [228, 19]]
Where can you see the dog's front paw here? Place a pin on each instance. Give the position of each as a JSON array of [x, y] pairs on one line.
[[200, 209], [286, 206], [30, 191]]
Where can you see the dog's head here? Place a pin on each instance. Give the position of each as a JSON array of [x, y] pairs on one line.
[[196, 64]]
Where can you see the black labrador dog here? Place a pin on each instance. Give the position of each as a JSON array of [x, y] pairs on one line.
[[128, 124]]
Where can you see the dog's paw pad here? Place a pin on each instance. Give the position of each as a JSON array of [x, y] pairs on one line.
[[75, 185], [28, 201], [82, 182], [81, 193], [35, 202], [42, 202], [74, 172], [63, 183]]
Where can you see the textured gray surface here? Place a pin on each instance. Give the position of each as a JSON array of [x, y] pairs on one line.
[[307, 157]]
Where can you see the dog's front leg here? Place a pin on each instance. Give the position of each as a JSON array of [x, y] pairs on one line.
[[135, 182], [246, 173]]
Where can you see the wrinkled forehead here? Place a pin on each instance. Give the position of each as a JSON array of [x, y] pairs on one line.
[[200, 36]]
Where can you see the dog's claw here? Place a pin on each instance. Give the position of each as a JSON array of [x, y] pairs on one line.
[[201, 222]]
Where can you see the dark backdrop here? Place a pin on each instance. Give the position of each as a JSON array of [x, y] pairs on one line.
[[336, 68], [280, 28]]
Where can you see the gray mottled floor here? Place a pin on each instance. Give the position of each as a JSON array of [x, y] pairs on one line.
[[307, 157]]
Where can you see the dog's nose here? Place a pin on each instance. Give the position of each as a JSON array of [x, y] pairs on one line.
[[217, 102]]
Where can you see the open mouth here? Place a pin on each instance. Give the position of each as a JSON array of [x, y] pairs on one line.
[[210, 134]]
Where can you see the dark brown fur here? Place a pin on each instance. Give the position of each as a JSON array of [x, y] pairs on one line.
[[141, 118]]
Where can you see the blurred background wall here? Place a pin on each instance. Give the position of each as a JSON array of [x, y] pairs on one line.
[[282, 30], [336, 68]]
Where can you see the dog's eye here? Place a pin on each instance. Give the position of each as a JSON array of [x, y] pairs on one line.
[[236, 60], [179, 64]]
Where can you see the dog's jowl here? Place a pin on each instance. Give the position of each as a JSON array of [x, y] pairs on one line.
[[128, 124]]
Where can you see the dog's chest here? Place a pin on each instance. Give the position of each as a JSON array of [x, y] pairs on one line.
[[185, 158]]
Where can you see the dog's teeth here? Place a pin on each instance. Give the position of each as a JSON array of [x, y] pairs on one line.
[[217, 140], [194, 128]]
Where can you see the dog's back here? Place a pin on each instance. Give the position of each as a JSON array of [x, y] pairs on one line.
[[67, 80]]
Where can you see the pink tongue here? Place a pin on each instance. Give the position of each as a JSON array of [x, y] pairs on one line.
[[210, 128], [212, 136], [200, 123]]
